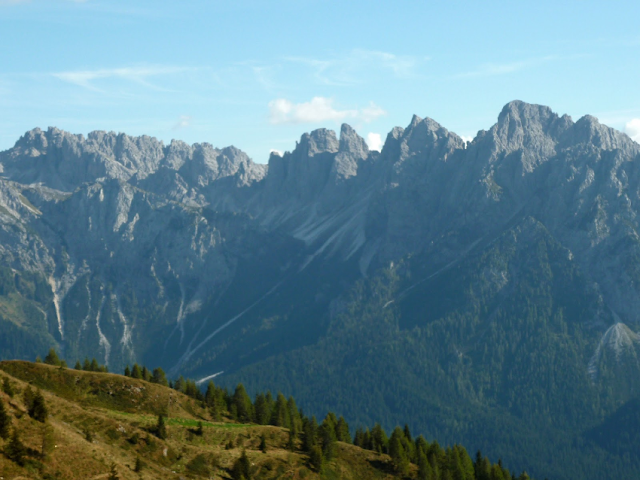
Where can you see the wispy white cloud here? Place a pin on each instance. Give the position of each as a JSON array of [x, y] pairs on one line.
[[632, 128], [349, 69], [87, 78], [374, 141], [184, 121], [494, 69], [319, 109], [275, 152]]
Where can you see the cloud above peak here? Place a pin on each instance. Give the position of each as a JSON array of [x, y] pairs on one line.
[[139, 74], [632, 128], [318, 109]]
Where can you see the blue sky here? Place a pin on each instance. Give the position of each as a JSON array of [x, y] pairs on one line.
[[257, 74]]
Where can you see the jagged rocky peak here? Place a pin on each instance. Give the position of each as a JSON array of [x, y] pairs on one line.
[[526, 126], [351, 142], [423, 138], [318, 141], [588, 130]]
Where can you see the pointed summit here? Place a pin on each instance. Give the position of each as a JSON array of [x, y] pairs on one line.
[[352, 143]]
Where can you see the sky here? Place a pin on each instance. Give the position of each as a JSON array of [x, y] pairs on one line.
[[258, 74]]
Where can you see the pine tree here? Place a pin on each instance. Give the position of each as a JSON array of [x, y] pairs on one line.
[[291, 443], [242, 403], [95, 367], [295, 422], [379, 439], [262, 412], [407, 433], [38, 410], [78, 365], [27, 397], [310, 432], [425, 472], [127, 371], [15, 449], [135, 372], [200, 429], [315, 458], [145, 374], [241, 468], [342, 430], [159, 377], [5, 421], [280, 416], [7, 387], [86, 365], [113, 474], [398, 455], [178, 386], [160, 429], [328, 436], [263, 444]]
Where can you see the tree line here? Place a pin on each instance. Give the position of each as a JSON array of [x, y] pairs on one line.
[[317, 440]]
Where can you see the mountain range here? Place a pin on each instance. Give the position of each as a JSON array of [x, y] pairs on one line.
[[486, 292]]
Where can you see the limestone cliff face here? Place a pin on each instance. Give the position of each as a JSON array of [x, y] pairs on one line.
[[156, 251]]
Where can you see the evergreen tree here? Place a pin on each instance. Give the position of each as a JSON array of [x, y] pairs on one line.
[[482, 467], [127, 371], [160, 429], [159, 377], [178, 386], [358, 438], [52, 358], [295, 421], [328, 436], [241, 468], [135, 372], [310, 431], [280, 416], [242, 403], [15, 449], [27, 397], [113, 473], [78, 365], [291, 442], [399, 457], [38, 409], [425, 472], [86, 365], [200, 429], [407, 433], [94, 367], [262, 412], [263, 444], [145, 374], [5, 421], [7, 387], [379, 439], [315, 458], [342, 430]]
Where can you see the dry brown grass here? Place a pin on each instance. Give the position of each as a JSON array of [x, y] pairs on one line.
[[119, 412]]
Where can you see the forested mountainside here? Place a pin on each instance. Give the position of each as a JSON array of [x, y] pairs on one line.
[[485, 292], [57, 423]]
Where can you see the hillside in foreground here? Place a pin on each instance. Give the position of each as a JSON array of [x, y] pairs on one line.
[[103, 425]]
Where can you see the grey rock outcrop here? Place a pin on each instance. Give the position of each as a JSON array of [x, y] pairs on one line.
[[123, 228]]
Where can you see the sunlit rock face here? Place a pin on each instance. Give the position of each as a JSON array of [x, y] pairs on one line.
[[128, 249]]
